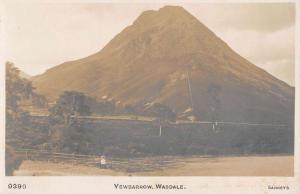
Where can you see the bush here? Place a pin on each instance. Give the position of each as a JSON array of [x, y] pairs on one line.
[[12, 160]]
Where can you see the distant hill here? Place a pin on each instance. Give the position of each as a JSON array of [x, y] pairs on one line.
[[168, 56]]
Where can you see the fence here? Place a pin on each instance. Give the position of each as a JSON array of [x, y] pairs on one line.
[[118, 164]]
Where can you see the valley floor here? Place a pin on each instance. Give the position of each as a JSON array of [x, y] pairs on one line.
[[176, 166]]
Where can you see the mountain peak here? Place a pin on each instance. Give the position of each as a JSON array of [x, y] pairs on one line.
[[172, 8], [165, 14], [176, 12]]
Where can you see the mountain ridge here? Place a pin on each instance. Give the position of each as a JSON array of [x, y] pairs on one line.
[[149, 61]]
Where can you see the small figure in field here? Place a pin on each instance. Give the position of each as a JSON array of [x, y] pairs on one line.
[[103, 162]]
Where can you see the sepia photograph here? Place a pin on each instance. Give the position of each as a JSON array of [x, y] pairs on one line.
[[164, 96], [149, 89]]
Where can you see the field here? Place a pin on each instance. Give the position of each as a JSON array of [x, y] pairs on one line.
[[169, 166]]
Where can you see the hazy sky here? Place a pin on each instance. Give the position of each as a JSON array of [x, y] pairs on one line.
[[39, 36]]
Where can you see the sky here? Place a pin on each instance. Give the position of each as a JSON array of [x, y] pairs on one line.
[[39, 36]]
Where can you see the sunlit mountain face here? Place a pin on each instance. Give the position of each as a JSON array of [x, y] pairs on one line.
[[168, 56]]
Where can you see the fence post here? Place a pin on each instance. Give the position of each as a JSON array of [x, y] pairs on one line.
[[73, 161]]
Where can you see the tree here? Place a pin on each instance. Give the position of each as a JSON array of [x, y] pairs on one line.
[[12, 160], [214, 101], [17, 89], [70, 103], [13, 91], [162, 112]]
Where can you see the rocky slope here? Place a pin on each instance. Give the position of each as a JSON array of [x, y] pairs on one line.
[[170, 57]]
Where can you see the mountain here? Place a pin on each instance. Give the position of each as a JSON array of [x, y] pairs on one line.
[[168, 56]]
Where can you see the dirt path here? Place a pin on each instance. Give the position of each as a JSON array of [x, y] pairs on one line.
[[172, 166]]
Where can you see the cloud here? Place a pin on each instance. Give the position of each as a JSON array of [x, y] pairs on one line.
[[273, 52], [264, 17]]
